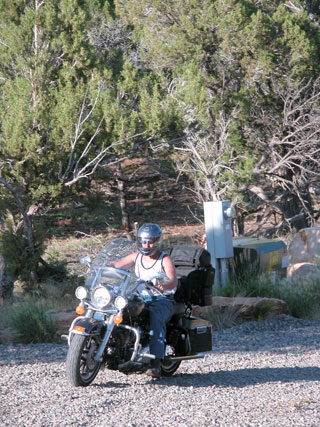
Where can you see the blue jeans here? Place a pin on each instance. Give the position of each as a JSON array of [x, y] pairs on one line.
[[160, 309]]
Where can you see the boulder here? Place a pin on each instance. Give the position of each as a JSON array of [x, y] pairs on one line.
[[63, 319], [305, 246], [225, 311], [301, 270], [7, 335]]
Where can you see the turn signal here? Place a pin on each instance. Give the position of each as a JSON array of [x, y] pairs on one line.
[[79, 328], [117, 319], [79, 309]]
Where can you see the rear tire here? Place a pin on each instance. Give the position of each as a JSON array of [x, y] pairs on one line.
[[169, 367], [81, 367]]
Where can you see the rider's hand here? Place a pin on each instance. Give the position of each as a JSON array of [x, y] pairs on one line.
[[160, 288]]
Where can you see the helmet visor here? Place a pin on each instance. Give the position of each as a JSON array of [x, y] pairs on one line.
[[148, 246], [145, 241]]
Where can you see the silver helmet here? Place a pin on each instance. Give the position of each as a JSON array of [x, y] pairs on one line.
[[150, 233]]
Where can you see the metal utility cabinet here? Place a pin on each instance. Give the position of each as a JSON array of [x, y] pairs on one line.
[[268, 256], [218, 226]]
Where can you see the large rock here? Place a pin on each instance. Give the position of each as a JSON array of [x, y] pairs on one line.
[[303, 252], [302, 270], [8, 335], [225, 311], [63, 319], [305, 246]]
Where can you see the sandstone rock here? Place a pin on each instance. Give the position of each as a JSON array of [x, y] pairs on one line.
[[301, 270], [63, 319], [7, 335], [305, 246], [224, 310]]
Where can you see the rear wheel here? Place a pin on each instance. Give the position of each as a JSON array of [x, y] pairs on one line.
[[169, 367], [81, 367]]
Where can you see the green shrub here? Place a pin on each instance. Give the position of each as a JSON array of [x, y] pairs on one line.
[[302, 296], [31, 322], [250, 283]]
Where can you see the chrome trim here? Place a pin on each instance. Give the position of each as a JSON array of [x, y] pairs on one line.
[[98, 356], [137, 346], [71, 328]]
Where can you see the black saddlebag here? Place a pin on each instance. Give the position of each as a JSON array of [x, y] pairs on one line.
[[200, 334], [195, 274]]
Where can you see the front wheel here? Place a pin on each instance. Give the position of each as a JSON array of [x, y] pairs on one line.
[[81, 367]]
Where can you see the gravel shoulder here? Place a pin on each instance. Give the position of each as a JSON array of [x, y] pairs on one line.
[[259, 374]]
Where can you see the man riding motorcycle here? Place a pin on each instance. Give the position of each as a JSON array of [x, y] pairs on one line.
[[148, 261]]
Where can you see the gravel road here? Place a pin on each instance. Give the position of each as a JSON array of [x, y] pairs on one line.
[[259, 374]]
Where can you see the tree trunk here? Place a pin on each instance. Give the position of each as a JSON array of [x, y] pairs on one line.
[[123, 201], [298, 212], [238, 224], [6, 282], [27, 225]]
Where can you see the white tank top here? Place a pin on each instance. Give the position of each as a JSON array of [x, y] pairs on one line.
[[146, 273]]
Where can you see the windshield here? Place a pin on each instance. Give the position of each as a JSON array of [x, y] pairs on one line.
[[115, 250], [122, 281]]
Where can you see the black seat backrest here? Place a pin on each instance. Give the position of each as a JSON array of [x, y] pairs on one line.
[[195, 274]]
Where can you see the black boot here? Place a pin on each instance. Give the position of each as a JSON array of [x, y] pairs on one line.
[[154, 370]]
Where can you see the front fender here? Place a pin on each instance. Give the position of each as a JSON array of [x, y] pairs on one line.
[[84, 326]]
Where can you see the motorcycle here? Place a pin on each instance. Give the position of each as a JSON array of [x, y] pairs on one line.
[[112, 329]]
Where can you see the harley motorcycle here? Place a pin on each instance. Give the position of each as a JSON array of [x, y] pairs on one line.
[[112, 327]]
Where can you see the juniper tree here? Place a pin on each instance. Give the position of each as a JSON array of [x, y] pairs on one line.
[[220, 59], [73, 98], [46, 64]]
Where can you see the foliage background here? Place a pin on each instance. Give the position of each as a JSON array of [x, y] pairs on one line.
[[221, 96]]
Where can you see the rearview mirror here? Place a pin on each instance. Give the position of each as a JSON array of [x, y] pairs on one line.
[[86, 260]]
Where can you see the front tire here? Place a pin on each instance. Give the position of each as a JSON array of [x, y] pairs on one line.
[[81, 367]]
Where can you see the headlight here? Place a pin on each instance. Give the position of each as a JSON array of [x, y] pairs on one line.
[[120, 303], [81, 292], [101, 297]]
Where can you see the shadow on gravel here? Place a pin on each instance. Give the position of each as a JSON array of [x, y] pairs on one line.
[[111, 384], [244, 377], [237, 378]]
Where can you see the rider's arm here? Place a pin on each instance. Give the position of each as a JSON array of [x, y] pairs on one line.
[[126, 262], [170, 271]]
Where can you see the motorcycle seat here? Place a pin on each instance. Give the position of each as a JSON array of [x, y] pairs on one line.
[[179, 308]]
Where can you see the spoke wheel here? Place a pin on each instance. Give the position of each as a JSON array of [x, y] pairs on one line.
[[81, 367]]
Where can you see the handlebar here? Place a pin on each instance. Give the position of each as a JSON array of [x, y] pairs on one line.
[[107, 271], [151, 286]]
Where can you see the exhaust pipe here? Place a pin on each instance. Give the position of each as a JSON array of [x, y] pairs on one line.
[[181, 358]]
